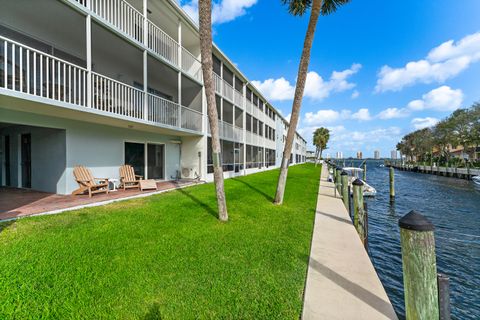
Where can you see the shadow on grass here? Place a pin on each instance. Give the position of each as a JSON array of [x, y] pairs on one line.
[[153, 313], [5, 224], [205, 206], [264, 194]]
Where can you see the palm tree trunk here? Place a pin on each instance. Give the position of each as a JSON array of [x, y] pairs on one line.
[[205, 19], [297, 100], [316, 156]]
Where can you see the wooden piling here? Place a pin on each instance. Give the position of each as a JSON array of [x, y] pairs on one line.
[[443, 296], [365, 171], [338, 181], [345, 195], [419, 267], [358, 218], [392, 183]]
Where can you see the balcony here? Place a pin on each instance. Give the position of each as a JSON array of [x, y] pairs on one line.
[[130, 22], [238, 98], [36, 74], [228, 131]]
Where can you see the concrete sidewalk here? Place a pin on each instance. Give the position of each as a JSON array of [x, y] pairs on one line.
[[341, 281]]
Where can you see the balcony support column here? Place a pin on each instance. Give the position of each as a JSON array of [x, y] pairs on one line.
[[88, 30], [145, 61], [180, 73]]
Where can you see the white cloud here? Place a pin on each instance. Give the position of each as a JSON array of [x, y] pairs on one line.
[[222, 11], [316, 87], [362, 115], [355, 94], [322, 117], [440, 99], [278, 88], [393, 113], [442, 63], [443, 98], [420, 123]]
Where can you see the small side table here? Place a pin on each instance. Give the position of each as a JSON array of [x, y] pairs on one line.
[[115, 183]]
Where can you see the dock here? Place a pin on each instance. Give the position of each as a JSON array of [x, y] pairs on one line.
[[341, 280], [454, 172]]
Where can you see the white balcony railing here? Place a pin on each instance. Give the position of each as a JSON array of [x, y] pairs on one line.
[[238, 98], [217, 83], [191, 65], [227, 91], [121, 15], [27, 70], [35, 73], [115, 97], [191, 119], [238, 134], [162, 44], [249, 106], [162, 111]]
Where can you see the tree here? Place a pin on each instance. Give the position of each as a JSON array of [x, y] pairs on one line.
[[205, 29], [320, 140], [298, 8]]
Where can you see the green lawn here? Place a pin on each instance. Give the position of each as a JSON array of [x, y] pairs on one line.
[[166, 256]]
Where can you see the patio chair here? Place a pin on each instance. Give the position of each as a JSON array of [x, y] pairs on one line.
[[87, 182], [128, 178]]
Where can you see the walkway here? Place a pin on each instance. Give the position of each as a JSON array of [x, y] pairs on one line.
[[17, 203], [341, 280]]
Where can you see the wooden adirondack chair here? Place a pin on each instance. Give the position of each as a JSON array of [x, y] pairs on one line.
[[128, 178], [87, 182]]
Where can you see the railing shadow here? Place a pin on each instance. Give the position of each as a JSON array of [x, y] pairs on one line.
[[263, 193], [5, 224], [153, 313]]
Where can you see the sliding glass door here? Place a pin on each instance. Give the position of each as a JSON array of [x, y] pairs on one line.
[[155, 163], [153, 160]]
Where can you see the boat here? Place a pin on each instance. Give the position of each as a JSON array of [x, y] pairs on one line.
[[476, 180], [354, 173]]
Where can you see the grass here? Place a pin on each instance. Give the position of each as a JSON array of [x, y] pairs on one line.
[[166, 256]]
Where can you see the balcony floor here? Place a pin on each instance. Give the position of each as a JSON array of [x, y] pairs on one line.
[[17, 203]]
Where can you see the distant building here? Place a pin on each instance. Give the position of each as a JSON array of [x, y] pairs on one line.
[[359, 155], [328, 156], [393, 154], [339, 155], [376, 154]]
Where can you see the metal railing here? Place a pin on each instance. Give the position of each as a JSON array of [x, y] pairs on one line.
[[227, 91], [116, 97], [161, 110], [191, 65], [34, 72], [162, 44], [191, 119], [217, 83], [238, 98], [120, 14]]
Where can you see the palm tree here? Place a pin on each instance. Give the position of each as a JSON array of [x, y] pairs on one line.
[[298, 8], [320, 140], [205, 28]]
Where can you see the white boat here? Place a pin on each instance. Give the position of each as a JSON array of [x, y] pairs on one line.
[[476, 180], [355, 173]]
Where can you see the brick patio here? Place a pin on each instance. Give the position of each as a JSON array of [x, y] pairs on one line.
[[16, 203]]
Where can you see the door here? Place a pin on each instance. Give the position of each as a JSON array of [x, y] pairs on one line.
[[26, 161], [135, 156], [7, 160], [156, 161]]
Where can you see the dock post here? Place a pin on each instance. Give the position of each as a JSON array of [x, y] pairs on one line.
[[419, 267], [338, 171], [392, 183], [365, 171], [468, 170], [345, 195], [358, 213], [443, 296]]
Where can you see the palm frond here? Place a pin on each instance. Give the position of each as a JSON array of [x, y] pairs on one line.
[[299, 7], [330, 6]]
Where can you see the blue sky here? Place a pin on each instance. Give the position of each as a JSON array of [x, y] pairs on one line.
[[379, 69]]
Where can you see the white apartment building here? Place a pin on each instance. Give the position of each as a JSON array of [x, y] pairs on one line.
[[102, 83], [376, 154]]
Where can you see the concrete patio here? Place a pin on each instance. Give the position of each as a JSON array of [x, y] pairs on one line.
[[16, 203]]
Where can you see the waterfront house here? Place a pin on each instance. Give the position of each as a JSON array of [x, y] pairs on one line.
[[102, 83]]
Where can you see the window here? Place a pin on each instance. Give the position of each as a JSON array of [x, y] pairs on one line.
[[260, 128], [249, 123], [255, 126]]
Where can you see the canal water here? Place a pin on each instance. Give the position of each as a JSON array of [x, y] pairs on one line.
[[453, 206]]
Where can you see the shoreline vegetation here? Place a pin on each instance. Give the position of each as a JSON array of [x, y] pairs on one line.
[[452, 142], [166, 256]]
